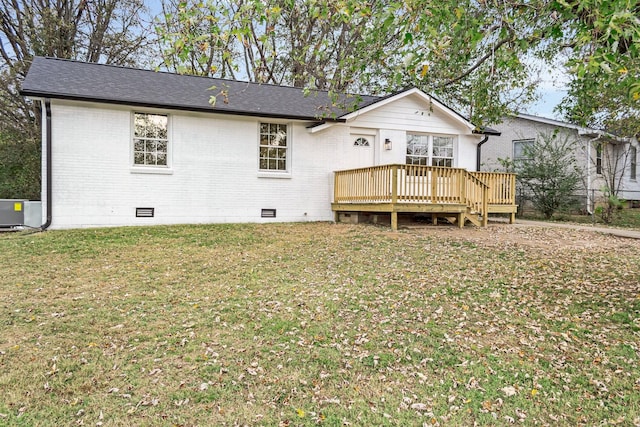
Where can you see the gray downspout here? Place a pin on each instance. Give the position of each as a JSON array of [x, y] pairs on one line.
[[479, 152], [47, 110]]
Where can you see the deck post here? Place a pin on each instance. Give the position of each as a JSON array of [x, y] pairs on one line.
[[394, 221], [461, 219], [394, 197], [485, 206], [512, 217], [435, 176]]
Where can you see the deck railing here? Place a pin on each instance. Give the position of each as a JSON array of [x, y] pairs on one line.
[[424, 184], [502, 186]]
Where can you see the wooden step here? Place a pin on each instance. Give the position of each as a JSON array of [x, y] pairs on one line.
[[473, 219]]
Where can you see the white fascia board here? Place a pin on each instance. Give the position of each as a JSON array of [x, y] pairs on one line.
[[412, 91]]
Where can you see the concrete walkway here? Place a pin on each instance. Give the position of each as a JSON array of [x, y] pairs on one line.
[[620, 232]]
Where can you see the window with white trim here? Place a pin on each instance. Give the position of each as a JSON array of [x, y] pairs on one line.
[[417, 150], [442, 152], [520, 149], [430, 150], [633, 164], [599, 159], [150, 139], [274, 147]]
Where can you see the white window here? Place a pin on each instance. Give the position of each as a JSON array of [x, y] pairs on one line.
[[274, 147], [633, 164], [417, 150], [150, 139], [520, 149], [442, 151], [430, 150], [599, 159]]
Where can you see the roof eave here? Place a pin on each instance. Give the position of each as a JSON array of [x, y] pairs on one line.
[[487, 131]]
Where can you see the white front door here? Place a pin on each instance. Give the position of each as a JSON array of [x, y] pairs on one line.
[[361, 151]]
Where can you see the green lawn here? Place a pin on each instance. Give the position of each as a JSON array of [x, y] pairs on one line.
[[319, 324]]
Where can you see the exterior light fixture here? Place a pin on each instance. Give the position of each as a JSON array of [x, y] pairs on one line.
[[387, 144]]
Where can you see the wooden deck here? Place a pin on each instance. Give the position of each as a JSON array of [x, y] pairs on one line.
[[452, 193]]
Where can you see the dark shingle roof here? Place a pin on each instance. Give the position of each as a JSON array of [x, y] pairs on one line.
[[65, 79]]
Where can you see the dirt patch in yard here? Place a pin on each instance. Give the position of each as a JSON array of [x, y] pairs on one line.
[[527, 236]]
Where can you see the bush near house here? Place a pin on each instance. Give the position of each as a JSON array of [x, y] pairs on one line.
[[19, 167], [549, 173]]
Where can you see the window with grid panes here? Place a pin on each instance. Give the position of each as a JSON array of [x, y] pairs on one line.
[[442, 152], [417, 150], [150, 139], [273, 147], [430, 150]]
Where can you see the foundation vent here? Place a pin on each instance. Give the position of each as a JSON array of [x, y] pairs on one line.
[[145, 212], [268, 213]]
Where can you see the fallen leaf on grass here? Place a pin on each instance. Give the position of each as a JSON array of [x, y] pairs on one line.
[[420, 406], [509, 391]]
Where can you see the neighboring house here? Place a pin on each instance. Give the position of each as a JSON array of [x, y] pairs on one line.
[[599, 155], [123, 146]]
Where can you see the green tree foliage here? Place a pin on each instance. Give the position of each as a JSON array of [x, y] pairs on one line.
[[303, 43], [471, 54], [550, 175], [467, 53], [602, 40]]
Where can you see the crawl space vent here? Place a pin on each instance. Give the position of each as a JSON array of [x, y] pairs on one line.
[[144, 212], [268, 213]]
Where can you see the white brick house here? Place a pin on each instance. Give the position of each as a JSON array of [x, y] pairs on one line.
[[123, 146]]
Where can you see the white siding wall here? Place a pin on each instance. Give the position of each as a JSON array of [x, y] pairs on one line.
[[411, 114]]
